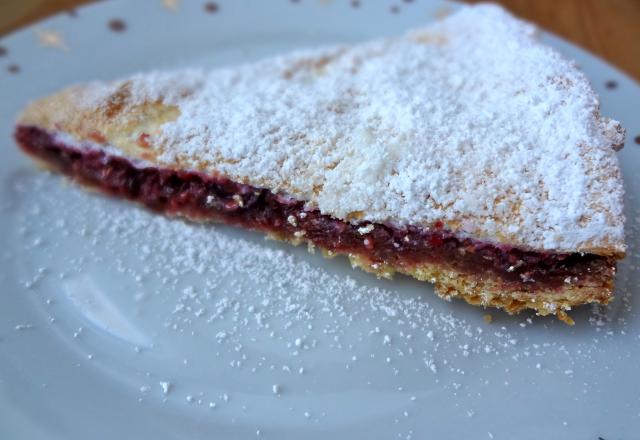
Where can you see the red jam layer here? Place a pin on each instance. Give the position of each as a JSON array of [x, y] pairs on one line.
[[207, 197]]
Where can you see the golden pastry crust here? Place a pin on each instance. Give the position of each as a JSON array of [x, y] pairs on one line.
[[484, 289], [487, 291], [118, 122]]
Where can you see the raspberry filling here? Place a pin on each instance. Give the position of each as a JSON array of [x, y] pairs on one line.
[[200, 196]]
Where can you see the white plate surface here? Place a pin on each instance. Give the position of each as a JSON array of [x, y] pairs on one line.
[[118, 323]]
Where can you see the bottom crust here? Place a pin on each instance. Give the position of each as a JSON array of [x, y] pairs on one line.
[[488, 292], [482, 290]]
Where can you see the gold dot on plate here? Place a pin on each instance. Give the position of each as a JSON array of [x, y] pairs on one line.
[[211, 7], [50, 38], [442, 12], [117, 25], [171, 4]]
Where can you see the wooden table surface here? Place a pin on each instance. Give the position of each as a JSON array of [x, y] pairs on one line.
[[608, 28]]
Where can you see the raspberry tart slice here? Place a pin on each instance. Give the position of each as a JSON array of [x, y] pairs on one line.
[[466, 154]]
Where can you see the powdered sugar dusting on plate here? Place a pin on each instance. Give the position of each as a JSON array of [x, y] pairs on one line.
[[271, 312]]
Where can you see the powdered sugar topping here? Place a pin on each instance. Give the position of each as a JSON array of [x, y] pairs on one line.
[[469, 121]]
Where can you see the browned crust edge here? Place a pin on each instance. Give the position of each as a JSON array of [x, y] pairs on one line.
[[487, 291], [483, 289]]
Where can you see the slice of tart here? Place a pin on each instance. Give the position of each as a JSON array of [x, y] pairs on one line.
[[465, 153]]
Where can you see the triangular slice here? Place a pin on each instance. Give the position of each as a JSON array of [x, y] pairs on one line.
[[465, 153]]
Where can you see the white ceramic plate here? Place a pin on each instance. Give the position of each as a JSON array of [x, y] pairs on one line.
[[117, 323]]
